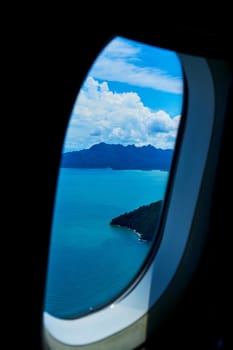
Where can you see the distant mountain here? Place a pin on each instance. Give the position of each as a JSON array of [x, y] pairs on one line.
[[118, 157], [143, 220]]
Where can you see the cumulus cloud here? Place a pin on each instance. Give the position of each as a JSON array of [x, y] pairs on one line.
[[101, 115]]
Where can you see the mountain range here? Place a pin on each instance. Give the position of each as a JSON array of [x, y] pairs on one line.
[[119, 157]]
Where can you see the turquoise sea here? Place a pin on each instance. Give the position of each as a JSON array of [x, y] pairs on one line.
[[91, 262]]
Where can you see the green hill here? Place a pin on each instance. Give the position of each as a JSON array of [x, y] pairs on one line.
[[118, 157], [143, 219]]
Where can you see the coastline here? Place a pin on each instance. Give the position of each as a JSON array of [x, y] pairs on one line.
[[138, 234]]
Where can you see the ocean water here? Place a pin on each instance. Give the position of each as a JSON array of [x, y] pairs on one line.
[[91, 262]]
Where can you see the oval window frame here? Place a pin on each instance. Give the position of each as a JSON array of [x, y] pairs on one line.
[[126, 321]]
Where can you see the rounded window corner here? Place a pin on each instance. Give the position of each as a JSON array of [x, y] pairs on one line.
[[125, 316]]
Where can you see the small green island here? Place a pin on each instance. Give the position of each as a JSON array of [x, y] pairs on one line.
[[143, 220]]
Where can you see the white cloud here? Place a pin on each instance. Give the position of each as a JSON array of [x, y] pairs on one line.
[[119, 48], [117, 63], [102, 115]]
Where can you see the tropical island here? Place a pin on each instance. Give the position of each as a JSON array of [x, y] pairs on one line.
[[144, 220], [119, 157]]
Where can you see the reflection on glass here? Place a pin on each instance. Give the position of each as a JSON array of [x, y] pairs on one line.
[[113, 175]]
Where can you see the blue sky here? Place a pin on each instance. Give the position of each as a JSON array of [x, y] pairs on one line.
[[132, 94]]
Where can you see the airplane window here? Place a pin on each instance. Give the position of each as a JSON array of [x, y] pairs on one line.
[[114, 171]]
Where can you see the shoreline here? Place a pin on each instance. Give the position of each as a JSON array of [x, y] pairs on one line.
[[138, 234]]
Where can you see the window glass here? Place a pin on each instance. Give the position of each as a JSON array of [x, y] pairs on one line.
[[113, 175]]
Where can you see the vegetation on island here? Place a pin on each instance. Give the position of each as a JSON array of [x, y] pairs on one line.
[[119, 157], [144, 220]]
